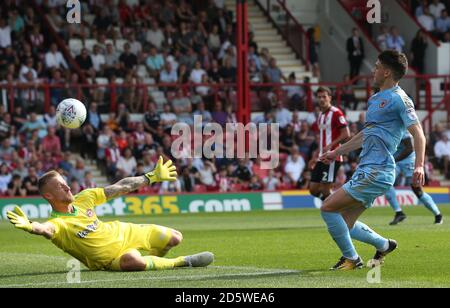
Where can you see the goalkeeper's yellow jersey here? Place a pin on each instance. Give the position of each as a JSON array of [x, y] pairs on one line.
[[82, 235]]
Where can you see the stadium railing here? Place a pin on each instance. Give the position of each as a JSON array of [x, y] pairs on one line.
[[427, 92], [291, 29]]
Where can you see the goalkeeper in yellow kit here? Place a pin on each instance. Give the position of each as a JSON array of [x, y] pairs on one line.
[[75, 228]]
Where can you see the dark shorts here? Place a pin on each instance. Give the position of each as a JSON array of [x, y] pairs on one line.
[[325, 173]]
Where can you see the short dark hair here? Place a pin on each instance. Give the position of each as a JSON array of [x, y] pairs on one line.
[[396, 61], [323, 89], [43, 180]]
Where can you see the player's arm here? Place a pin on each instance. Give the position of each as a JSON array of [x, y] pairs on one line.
[[344, 135], [21, 221], [353, 144], [407, 150], [419, 146], [163, 172]]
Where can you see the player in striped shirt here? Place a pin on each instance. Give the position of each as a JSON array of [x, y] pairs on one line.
[[334, 130]]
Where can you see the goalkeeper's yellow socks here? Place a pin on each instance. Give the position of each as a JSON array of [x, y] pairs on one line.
[[157, 263]]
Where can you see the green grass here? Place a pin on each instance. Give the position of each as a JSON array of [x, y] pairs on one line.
[[259, 249]]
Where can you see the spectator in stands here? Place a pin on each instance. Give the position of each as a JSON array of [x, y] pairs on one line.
[[418, 48], [168, 74], [382, 38], [155, 62], [421, 7], [294, 167], [295, 93], [184, 12], [5, 34], [36, 38], [98, 61], [355, 51], [51, 143], [187, 180], [58, 84], [274, 73], [55, 59], [123, 117], [182, 107], [436, 8], [49, 162], [34, 123], [242, 173], [93, 118], [442, 24], [347, 95], [152, 119], [305, 140], [154, 35], [426, 20], [282, 114], [446, 38], [15, 187], [255, 184], [128, 60], [66, 163], [126, 165], [112, 64], [183, 74], [442, 153], [271, 182], [79, 171], [171, 37], [5, 126], [74, 186], [205, 114], [88, 181], [84, 61], [168, 118], [228, 72], [6, 151], [170, 187], [20, 169], [395, 41], [30, 183], [214, 42], [50, 117], [206, 174], [27, 67], [189, 59], [287, 139], [219, 115]]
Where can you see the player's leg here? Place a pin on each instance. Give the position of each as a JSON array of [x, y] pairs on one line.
[[132, 261], [428, 202], [322, 179], [161, 240], [331, 211], [391, 196]]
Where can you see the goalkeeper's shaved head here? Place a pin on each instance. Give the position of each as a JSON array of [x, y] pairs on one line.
[[45, 179]]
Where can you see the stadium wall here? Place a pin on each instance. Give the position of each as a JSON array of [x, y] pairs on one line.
[[144, 205]]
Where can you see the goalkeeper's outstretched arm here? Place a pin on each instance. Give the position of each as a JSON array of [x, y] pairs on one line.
[[21, 221], [163, 172]]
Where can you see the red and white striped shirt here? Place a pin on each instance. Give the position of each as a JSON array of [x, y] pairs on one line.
[[330, 124]]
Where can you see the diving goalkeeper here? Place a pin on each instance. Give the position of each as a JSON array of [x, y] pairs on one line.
[[113, 246]]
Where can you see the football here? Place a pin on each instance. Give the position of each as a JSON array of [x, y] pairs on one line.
[[71, 113]]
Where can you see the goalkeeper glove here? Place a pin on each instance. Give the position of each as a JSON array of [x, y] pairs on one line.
[[19, 219], [163, 172]]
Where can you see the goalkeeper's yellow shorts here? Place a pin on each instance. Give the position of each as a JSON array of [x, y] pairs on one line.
[[153, 239]]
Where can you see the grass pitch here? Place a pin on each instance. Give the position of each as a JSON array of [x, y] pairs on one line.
[[258, 249]]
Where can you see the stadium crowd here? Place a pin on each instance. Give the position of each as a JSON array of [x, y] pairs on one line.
[[178, 42]]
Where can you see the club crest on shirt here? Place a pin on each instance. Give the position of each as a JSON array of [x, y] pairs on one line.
[[383, 104], [89, 213]]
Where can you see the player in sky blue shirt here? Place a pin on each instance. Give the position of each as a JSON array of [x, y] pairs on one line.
[[405, 158], [390, 112]]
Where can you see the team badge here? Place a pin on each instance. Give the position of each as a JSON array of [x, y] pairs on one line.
[[383, 104], [89, 213]]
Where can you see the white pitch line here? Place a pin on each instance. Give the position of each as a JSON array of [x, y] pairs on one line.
[[191, 277]]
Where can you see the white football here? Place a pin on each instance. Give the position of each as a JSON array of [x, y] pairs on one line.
[[71, 113]]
